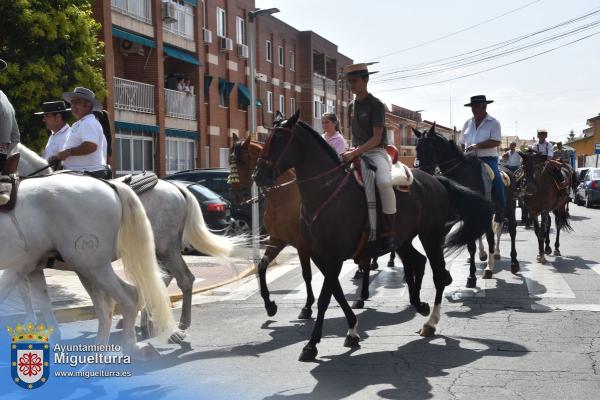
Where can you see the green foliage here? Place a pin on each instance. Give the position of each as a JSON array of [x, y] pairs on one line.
[[51, 46]]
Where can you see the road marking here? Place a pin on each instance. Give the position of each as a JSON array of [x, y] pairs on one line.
[[566, 307], [544, 281], [595, 268], [388, 283], [299, 292]]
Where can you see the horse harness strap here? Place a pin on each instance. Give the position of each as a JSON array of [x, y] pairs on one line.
[[311, 220]]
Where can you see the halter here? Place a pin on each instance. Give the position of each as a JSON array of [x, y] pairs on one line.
[[267, 149]]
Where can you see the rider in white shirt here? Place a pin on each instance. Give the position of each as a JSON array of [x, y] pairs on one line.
[[54, 115], [543, 147]]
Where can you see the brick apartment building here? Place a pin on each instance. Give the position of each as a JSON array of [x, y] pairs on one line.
[[151, 44]]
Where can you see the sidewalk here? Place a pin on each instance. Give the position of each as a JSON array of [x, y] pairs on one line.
[[71, 302]]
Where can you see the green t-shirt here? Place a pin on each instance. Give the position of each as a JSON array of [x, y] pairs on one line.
[[365, 115]]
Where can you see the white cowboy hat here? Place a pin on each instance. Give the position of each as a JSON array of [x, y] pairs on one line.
[[85, 94]]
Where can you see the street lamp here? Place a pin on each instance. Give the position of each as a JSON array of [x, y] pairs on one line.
[[252, 15]]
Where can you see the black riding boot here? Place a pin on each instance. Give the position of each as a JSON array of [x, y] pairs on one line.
[[2, 162], [388, 232]]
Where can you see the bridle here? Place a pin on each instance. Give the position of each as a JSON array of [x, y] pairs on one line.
[[262, 160], [442, 164]]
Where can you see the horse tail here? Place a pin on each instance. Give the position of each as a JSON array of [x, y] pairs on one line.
[[474, 210], [196, 233], [562, 218], [135, 246]]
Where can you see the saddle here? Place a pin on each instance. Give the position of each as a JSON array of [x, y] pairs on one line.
[[402, 176], [140, 183], [490, 174], [9, 183]]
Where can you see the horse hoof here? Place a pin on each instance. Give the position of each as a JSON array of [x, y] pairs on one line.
[[176, 338], [487, 274], [471, 282], [427, 331], [358, 274], [358, 304], [447, 278], [540, 258], [548, 250], [483, 257], [514, 267], [391, 264], [184, 325], [309, 353], [271, 308], [305, 313], [119, 324], [423, 309], [557, 252], [496, 256], [374, 266], [352, 342]]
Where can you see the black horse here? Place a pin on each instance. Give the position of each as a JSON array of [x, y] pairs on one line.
[[434, 150], [334, 214]]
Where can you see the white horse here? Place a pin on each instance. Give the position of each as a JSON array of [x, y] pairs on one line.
[[174, 214], [89, 224]]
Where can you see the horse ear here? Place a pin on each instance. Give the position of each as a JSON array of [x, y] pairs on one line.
[[292, 120], [417, 132], [246, 142], [234, 138], [432, 129]]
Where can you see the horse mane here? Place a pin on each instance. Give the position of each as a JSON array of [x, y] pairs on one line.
[[322, 142]]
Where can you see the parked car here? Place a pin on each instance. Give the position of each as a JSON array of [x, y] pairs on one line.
[[216, 180], [580, 172], [588, 191]]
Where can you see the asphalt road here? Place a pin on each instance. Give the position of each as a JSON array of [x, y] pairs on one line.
[[535, 335]]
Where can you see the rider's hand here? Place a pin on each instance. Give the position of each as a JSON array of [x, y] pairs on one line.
[[471, 148], [349, 155], [63, 154]]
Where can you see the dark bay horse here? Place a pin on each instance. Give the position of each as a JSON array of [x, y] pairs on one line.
[[334, 214], [281, 218], [434, 150], [542, 196]]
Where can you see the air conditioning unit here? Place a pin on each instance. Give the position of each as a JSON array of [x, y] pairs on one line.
[[225, 44], [207, 35], [242, 50], [129, 47], [168, 12]]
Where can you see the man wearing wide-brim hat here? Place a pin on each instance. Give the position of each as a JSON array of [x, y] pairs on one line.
[[9, 130], [86, 146], [482, 135], [54, 115], [369, 138], [543, 147]]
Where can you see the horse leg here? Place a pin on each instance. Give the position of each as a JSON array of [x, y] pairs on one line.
[[352, 336], [414, 268], [185, 281], [274, 247], [512, 230], [433, 246], [540, 237], [9, 279], [391, 261], [374, 264], [482, 254], [39, 288], [472, 279], [548, 222], [104, 306], [364, 286], [489, 268], [498, 227], [25, 291], [557, 240], [306, 312], [309, 352]]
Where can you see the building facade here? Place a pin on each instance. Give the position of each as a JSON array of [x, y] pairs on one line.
[[585, 146], [177, 79]]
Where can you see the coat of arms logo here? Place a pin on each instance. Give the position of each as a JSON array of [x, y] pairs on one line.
[[30, 355]]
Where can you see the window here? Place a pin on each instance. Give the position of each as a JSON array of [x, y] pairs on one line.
[[184, 24], [206, 163], [223, 157], [282, 104], [181, 154], [240, 30], [318, 106], [330, 106], [204, 14], [292, 106], [292, 60], [221, 23], [269, 51], [281, 56], [269, 101], [133, 151]]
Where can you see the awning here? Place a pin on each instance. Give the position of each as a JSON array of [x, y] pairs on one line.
[[136, 127], [192, 2], [132, 37], [207, 81], [182, 55], [225, 87], [244, 97], [180, 133]]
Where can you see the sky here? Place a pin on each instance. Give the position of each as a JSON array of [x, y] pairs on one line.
[[557, 91]]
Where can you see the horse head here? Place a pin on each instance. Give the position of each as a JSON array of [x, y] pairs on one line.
[[242, 161], [433, 149], [531, 162], [275, 157]]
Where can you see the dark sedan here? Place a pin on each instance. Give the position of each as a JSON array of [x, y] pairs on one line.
[[588, 191]]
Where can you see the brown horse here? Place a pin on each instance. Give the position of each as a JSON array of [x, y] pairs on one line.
[[542, 196], [281, 218]]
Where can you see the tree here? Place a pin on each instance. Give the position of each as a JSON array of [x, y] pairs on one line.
[[50, 47]]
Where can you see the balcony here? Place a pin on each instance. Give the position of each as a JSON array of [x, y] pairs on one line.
[[180, 105], [133, 96], [184, 26], [136, 9]]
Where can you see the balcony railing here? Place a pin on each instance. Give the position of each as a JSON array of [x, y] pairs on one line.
[[138, 9], [180, 104], [184, 26], [133, 96], [408, 141]]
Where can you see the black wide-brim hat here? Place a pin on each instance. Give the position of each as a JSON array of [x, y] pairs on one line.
[[480, 98], [51, 107], [2, 64]]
